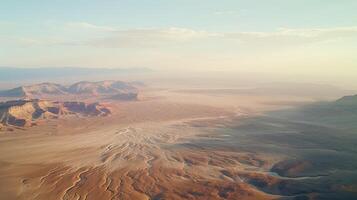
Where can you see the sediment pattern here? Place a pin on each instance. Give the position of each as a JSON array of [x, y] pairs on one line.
[[147, 161]]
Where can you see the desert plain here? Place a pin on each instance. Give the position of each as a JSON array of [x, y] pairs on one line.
[[181, 144]]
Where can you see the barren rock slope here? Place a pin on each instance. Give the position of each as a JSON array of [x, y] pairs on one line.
[[27, 112]]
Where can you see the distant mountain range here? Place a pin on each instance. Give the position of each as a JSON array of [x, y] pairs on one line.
[[30, 107], [117, 89]]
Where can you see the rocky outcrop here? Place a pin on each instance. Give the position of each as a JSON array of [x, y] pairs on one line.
[[28, 112], [93, 109]]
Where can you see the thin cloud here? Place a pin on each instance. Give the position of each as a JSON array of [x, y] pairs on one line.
[[89, 26], [294, 36], [225, 12], [151, 37], [112, 37], [307, 33], [160, 37]]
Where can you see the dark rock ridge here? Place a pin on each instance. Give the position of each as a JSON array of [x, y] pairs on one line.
[[347, 101], [341, 113], [28, 112]]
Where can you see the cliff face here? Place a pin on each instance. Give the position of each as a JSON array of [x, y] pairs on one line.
[[27, 112]]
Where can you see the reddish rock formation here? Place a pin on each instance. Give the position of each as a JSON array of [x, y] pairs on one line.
[[27, 112]]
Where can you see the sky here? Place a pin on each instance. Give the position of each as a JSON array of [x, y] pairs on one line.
[[307, 38]]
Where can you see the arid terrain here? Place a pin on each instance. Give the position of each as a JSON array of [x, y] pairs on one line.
[[174, 144], [178, 100]]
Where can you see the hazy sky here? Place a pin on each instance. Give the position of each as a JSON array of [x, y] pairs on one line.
[[296, 37]]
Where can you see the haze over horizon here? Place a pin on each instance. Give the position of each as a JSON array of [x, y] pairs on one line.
[[290, 39]]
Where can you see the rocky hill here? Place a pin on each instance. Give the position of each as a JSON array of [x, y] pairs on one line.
[[101, 88], [35, 90], [28, 112]]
